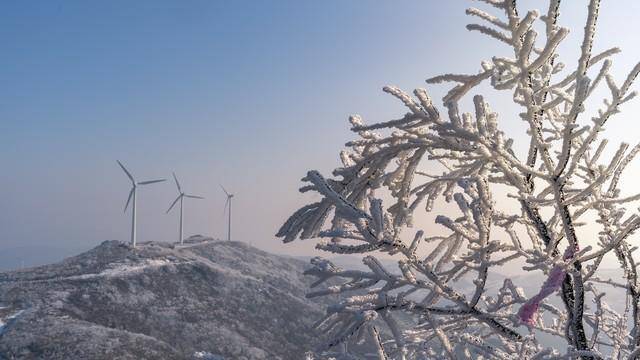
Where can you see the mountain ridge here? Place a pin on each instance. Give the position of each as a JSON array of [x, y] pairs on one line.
[[159, 301]]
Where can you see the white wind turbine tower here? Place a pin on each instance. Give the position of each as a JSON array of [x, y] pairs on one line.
[[133, 194], [181, 196], [228, 203]]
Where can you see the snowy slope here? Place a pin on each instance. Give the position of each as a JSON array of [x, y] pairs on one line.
[[159, 302]]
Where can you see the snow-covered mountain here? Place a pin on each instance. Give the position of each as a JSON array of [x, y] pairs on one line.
[[225, 300]]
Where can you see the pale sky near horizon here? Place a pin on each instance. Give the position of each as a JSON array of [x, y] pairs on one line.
[[249, 94]]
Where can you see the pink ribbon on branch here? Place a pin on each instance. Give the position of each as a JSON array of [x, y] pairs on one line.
[[528, 312]]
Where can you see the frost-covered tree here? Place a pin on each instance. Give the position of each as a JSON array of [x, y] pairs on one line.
[[508, 207]]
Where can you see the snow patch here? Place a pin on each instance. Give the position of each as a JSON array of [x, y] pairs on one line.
[[124, 269], [204, 355], [8, 320]]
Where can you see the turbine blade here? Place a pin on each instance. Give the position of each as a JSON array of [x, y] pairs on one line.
[[177, 182], [225, 207], [225, 190], [129, 199], [126, 171], [193, 196], [151, 182], [174, 202]]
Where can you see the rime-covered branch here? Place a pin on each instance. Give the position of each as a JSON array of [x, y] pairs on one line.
[[437, 299]]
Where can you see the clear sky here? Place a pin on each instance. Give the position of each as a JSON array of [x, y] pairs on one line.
[[250, 94]]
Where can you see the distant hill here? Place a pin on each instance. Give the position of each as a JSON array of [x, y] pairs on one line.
[[225, 300]]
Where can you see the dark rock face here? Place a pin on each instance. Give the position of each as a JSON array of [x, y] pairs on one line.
[[159, 302]]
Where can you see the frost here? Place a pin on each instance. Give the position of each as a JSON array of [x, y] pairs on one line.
[[157, 301], [515, 208]]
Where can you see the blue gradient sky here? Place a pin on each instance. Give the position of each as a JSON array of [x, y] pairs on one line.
[[250, 94]]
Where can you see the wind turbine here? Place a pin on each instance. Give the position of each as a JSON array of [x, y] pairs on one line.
[[133, 194], [181, 197], [228, 203]]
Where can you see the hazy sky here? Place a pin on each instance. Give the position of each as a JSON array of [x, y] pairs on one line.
[[250, 94]]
